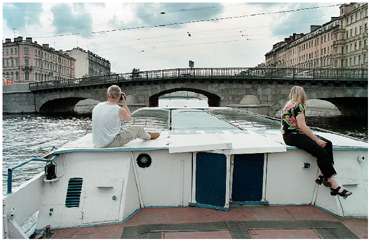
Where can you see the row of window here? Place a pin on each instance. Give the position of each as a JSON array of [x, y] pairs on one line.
[[324, 62], [37, 76], [352, 32], [10, 51], [354, 46], [356, 16]]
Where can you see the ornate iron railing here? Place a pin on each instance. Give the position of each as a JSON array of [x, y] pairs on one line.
[[311, 75]]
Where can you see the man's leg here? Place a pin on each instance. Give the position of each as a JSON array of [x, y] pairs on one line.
[[137, 132], [128, 135]]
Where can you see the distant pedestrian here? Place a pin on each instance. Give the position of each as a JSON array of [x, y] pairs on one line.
[[106, 122], [297, 133]]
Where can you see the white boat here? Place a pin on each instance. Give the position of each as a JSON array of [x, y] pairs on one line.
[[213, 166]]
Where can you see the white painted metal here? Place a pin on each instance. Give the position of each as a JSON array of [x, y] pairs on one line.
[[264, 181], [137, 180], [197, 142], [353, 175], [193, 186], [171, 179], [160, 181], [228, 180], [287, 181], [16, 204], [244, 143]]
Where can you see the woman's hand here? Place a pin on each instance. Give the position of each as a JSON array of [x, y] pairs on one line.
[[321, 143]]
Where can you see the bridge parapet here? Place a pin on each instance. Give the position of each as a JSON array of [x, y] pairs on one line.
[[287, 74]]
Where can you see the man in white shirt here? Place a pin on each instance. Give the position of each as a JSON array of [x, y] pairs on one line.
[[106, 122]]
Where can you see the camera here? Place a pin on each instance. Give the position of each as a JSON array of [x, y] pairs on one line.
[[123, 97]]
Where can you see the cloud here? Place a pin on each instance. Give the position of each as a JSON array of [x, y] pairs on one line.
[[162, 13], [298, 22], [65, 20], [20, 15]]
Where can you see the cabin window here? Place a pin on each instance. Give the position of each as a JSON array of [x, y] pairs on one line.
[[73, 192]]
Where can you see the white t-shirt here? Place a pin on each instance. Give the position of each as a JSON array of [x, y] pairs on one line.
[[106, 123]]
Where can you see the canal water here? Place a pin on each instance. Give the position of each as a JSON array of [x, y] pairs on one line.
[[25, 136]]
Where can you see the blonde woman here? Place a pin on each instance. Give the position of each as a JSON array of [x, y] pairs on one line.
[[297, 133]]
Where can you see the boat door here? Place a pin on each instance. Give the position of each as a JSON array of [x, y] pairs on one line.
[[210, 180], [247, 182], [102, 200]]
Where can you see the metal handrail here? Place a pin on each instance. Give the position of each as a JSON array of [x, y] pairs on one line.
[[307, 74], [11, 169]]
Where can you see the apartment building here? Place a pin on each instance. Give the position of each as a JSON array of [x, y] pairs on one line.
[[88, 63], [341, 42], [28, 61]]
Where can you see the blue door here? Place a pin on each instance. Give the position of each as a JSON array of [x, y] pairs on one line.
[[247, 177], [210, 179]]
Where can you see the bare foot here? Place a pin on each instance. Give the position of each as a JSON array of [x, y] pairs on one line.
[[153, 135]]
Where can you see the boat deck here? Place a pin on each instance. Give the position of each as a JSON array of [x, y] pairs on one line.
[[238, 222]]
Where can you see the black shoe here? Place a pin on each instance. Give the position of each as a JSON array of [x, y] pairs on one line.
[[344, 193], [322, 180]]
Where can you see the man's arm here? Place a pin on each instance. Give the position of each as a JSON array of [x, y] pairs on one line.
[[124, 112]]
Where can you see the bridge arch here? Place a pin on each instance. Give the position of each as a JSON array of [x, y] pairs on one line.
[[60, 105], [213, 99]]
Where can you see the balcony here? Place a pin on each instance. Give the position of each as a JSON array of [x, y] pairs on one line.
[[27, 67]]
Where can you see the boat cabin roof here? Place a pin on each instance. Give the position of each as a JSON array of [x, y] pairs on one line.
[[228, 141]]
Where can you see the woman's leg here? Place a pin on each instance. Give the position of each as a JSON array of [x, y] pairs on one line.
[[324, 159]]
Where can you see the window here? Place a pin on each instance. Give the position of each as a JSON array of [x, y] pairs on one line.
[[26, 62], [26, 75], [16, 75], [26, 50]]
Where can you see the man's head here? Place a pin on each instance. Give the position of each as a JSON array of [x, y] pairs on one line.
[[114, 93]]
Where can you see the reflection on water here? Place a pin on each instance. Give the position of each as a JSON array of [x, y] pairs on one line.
[[25, 136]]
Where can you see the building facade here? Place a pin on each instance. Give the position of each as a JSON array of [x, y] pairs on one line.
[[88, 64], [341, 42], [27, 61]]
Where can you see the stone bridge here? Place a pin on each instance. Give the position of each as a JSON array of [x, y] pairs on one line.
[[345, 88]]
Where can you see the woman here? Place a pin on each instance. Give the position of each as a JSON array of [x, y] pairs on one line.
[[297, 133]]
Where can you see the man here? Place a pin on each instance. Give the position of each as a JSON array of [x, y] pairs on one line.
[[106, 122]]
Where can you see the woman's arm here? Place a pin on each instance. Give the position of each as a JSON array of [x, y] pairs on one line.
[[301, 122]]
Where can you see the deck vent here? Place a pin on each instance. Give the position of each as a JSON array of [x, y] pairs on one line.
[[74, 192]]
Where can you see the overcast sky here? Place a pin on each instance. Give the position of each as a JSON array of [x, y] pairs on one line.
[[238, 42]]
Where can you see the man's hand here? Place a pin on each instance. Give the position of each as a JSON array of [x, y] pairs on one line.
[[122, 101]]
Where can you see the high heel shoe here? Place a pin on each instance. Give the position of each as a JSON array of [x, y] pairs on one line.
[[344, 193], [322, 180]]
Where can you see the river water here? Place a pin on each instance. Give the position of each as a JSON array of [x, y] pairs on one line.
[[25, 136]]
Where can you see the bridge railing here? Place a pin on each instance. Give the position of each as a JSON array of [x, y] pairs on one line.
[[305, 74]]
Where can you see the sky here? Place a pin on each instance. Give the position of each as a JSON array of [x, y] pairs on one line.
[[102, 27]]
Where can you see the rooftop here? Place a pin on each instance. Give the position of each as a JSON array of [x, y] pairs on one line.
[[238, 222]]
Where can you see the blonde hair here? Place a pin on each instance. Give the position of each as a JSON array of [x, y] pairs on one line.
[[114, 91], [298, 95]]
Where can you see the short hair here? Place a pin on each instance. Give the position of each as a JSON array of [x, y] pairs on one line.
[[114, 91], [297, 94]]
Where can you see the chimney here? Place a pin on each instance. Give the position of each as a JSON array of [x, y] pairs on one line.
[[314, 27], [45, 46], [18, 39], [333, 18], [29, 40], [8, 40]]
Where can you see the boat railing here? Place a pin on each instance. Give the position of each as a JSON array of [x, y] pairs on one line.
[[11, 169]]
